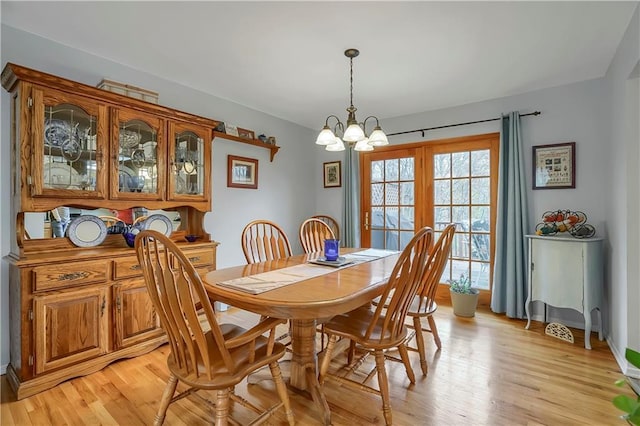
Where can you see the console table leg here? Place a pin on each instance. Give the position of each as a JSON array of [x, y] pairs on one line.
[[587, 330]]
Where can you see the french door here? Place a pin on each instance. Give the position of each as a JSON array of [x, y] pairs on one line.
[[406, 187]]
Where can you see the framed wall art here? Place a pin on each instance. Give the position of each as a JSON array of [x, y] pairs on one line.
[[332, 174], [554, 166], [242, 172]]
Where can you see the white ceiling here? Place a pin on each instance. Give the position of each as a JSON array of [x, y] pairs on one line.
[[286, 58]]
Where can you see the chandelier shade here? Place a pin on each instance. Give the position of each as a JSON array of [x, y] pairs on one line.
[[355, 133]]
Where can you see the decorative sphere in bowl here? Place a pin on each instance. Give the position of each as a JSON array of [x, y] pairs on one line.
[[130, 238], [191, 238]]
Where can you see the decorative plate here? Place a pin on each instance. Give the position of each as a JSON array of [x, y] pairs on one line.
[[160, 223], [58, 132], [60, 175], [129, 138], [87, 231]]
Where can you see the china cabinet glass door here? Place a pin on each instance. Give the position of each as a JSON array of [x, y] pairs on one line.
[[138, 156], [69, 161], [189, 168]]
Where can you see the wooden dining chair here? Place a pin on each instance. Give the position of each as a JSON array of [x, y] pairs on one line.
[[333, 224], [379, 329], [313, 232], [423, 304], [263, 240], [204, 354]]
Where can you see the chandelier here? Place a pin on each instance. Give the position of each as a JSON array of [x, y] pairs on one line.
[[354, 133]]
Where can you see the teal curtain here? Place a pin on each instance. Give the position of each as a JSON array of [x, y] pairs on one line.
[[510, 270], [351, 200]]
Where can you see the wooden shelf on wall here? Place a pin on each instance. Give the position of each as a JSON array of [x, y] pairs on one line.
[[255, 142]]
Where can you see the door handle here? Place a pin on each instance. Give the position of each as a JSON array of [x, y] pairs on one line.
[[366, 221]]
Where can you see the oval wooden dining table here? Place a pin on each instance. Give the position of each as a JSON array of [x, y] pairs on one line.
[[304, 302]]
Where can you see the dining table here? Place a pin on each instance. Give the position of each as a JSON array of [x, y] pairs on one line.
[[330, 291]]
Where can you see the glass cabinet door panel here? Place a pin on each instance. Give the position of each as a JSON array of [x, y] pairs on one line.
[[72, 134], [189, 170], [138, 161]]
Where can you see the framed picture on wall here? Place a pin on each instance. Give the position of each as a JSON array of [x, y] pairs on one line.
[[332, 174], [242, 172], [554, 166]]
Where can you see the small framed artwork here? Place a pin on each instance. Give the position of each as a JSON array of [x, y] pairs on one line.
[[231, 129], [332, 174], [246, 134], [242, 172], [554, 166]]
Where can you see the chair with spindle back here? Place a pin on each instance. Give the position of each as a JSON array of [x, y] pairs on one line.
[[264, 240], [383, 328], [333, 224], [423, 304], [313, 232], [204, 354]]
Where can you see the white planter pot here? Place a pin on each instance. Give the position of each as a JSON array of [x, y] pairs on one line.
[[464, 305]]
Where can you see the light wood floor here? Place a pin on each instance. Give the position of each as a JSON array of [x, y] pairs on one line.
[[490, 371]]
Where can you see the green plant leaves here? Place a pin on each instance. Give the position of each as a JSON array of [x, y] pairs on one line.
[[626, 403]]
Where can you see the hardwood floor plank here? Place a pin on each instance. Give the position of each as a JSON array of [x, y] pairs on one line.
[[490, 371]]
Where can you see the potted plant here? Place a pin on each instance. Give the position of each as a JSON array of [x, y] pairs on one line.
[[631, 406], [464, 298]]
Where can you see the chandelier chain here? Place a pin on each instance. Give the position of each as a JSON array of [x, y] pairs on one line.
[[351, 82]]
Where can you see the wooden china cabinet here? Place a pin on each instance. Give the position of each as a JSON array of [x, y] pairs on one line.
[[75, 309]]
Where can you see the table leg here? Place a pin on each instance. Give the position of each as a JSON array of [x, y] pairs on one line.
[[304, 364]]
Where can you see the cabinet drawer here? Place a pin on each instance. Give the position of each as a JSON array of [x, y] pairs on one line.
[[126, 268], [199, 258], [66, 274]]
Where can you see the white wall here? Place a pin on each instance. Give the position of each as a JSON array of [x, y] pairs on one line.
[[623, 198], [286, 187]]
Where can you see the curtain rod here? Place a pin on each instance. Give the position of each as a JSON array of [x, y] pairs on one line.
[[457, 124]]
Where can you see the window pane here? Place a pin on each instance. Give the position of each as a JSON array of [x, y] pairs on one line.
[[377, 217], [460, 246], [377, 239], [442, 217], [460, 191], [461, 217], [480, 218], [480, 163], [391, 218], [480, 247], [446, 274], [480, 275], [405, 237], [441, 165], [391, 195], [460, 161], [480, 191], [442, 193], [376, 194], [458, 268], [377, 171], [406, 193], [407, 171], [391, 169], [406, 218], [392, 240]]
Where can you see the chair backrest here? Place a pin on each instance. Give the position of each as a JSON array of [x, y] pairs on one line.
[[177, 292], [407, 275], [313, 232], [333, 224], [437, 261], [263, 240]]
